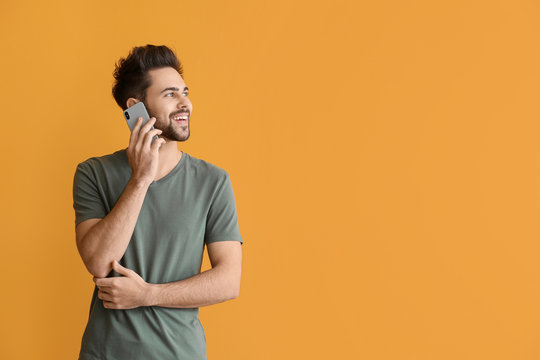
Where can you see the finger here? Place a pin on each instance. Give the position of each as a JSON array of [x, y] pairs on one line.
[[149, 135], [109, 305], [135, 132], [105, 286], [120, 269], [157, 144], [146, 128], [95, 279], [104, 282], [108, 291], [104, 296]]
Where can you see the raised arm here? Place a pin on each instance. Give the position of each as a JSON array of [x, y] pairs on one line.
[[101, 241]]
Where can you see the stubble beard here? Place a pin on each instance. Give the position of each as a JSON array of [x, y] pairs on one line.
[[169, 129]]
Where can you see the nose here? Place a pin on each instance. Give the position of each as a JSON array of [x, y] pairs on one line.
[[183, 103]]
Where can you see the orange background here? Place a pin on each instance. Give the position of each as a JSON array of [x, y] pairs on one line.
[[383, 154]]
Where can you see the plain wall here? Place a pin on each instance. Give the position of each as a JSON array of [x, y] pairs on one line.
[[383, 154]]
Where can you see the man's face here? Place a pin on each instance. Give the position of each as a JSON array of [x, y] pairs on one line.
[[167, 100]]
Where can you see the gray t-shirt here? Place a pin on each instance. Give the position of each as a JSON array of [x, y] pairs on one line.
[[192, 205]]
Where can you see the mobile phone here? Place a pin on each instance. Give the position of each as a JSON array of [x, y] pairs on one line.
[[134, 112]]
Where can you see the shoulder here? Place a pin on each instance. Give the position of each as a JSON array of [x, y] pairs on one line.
[[110, 163], [205, 169], [207, 177], [118, 157]]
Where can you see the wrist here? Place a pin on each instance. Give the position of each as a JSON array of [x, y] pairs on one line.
[[152, 295], [140, 183]]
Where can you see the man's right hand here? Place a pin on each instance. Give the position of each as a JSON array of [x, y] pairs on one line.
[[143, 154]]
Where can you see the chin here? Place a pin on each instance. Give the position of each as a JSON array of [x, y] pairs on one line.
[[185, 139]]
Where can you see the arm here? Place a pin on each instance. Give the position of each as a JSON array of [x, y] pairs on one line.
[[100, 241], [220, 283], [213, 286]]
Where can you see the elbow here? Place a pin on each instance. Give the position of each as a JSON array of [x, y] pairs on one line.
[[233, 294], [233, 291], [98, 269], [229, 282], [234, 288], [95, 266], [99, 273], [230, 289]]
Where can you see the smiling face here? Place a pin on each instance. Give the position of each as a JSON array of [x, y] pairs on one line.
[[167, 100]]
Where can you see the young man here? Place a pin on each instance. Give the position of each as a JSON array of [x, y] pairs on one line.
[[143, 216]]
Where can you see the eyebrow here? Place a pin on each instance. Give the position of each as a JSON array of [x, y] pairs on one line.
[[173, 89]]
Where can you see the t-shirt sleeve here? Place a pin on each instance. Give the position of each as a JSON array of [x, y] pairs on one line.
[[222, 220], [87, 202]]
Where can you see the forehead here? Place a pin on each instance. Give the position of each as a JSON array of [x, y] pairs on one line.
[[163, 78]]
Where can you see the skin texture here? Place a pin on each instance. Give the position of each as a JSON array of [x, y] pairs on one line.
[[103, 242]]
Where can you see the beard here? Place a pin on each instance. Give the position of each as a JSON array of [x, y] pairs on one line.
[[170, 130]]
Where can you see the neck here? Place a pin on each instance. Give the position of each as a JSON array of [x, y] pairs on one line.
[[169, 156]]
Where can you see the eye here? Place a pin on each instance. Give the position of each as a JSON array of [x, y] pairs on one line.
[[170, 94], [185, 93]]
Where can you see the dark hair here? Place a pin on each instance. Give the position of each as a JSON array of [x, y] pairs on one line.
[[131, 73]]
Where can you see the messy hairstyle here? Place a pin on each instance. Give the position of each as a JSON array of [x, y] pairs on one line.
[[131, 73]]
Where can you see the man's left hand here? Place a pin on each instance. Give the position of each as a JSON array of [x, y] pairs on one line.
[[127, 292]]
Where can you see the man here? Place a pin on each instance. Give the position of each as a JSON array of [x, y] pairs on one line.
[[143, 217]]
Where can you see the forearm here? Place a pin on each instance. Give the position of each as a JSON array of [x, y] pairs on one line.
[[207, 288], [108, 239]]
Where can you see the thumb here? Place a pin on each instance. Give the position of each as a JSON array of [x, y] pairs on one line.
[[120, 269]]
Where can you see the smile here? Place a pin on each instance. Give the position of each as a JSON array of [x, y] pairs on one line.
[[180, 117]]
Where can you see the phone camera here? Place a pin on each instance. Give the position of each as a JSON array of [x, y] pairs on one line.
[[126, 114]]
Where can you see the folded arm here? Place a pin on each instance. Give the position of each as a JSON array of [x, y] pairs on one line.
[[220, 283]]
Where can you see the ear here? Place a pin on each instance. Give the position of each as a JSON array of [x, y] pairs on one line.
[[131, 101]]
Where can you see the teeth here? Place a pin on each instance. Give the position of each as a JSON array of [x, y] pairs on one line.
[[182, 117]]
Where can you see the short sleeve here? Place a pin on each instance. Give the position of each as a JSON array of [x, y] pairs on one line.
[[87, 201], [222, 220]]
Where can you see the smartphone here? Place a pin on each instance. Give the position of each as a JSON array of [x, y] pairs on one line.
[[134, 112]]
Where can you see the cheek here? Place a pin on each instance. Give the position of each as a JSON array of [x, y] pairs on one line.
[[162, 114], [163, 122]]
